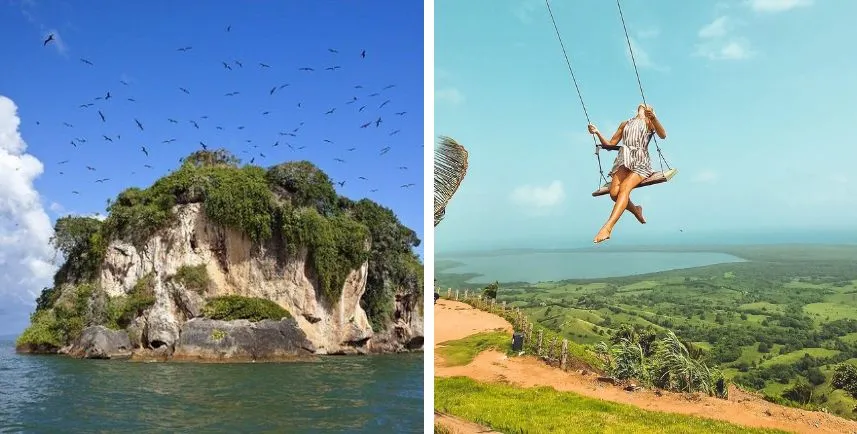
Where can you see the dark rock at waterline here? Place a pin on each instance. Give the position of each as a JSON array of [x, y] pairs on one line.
[[99, 342], [212, 340]]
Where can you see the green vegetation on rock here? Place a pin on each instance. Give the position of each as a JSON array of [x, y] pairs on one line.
[[233, 307], [335, 245], [194, 278]]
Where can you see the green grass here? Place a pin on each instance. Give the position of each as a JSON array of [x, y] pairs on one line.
[[826, 312], [539, 410], [462, 351], [788, 358]]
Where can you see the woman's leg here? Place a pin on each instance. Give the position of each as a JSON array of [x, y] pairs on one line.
[[615, 182], [623, 200]]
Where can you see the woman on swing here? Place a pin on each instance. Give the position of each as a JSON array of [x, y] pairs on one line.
[[632, 165]]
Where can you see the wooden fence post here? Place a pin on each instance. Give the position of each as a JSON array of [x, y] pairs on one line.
[[551, 354], [564, 355], [539, 348]]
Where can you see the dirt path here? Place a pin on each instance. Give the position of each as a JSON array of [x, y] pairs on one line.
[[454, 320]]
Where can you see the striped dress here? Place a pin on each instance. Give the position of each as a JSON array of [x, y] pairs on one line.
[[634, 152]]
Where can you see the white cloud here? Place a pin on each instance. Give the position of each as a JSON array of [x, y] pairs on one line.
[[734, 49], [718, 43], [25, 229], [539, 198], [449, 95], [773, 6], [715, 29]]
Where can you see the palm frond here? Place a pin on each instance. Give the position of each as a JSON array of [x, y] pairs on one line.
[[450, 166]]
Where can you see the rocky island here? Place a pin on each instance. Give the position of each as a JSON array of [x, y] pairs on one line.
[[219, 261]]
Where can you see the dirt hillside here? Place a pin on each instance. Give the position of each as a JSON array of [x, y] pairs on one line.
[[454, 320]]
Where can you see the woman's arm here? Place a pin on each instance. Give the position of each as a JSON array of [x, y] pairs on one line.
[[655, 124], [614, 141]]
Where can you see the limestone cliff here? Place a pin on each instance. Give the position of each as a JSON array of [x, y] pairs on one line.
[[279, 235]]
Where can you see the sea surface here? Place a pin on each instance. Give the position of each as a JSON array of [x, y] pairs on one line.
[[354, 394], [550, 266]]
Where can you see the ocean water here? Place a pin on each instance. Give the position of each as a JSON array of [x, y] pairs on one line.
[[549, 266], [354, 394]]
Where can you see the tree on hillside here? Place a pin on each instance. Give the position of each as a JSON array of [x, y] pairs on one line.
[[845, 378], [490, 291]]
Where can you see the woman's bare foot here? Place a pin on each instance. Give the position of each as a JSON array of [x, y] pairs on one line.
[[638, 213], [603, 234]]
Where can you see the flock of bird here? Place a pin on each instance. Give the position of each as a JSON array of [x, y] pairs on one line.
[[373, 106]]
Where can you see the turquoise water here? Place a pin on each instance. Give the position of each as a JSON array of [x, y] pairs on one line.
[[53, 394], [549, 266]]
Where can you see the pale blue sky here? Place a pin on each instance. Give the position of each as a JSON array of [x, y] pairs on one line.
[[755, 96]]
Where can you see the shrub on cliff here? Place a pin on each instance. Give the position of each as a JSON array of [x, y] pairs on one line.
[[194, 278], [232, 307], [236, 197], [336, 245], [305, 185], [393, 266]]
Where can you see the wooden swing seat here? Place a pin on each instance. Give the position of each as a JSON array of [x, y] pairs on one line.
[[655, 178]]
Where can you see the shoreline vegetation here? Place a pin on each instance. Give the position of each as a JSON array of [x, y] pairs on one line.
[[219, 261], [783, 323]]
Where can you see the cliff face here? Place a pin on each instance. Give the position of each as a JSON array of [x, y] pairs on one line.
[[131, 283], [237, 266]]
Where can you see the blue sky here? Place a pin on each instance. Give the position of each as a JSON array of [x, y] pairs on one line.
[[756, 97], [134, 55]]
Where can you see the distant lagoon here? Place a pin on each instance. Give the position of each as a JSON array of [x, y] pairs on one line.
[[562, 265]]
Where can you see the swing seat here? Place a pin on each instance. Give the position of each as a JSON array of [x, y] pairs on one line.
[[655, 178]]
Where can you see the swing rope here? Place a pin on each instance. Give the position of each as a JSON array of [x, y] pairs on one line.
[[579, 95], [640, 83]]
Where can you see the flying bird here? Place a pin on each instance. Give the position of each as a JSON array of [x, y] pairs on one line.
[[378, 122], [332, 50], [389, 87], [264, 65], [139, 125], [107, 138], [306, 69], [144, 150], [385, 150], [330, 111], [49, 39], [185, 49], [68, 124], [341, 184], [340, 160], [408, 185], [363, 54], [102, 180], [184, 90], [63, 162], [173, 121], [401, 113], [86, 61], [228, 28], [395, 132], [384, 103], [366, 125], [90, 168]]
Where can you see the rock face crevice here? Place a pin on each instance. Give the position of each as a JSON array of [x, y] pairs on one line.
[[237, 266]]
